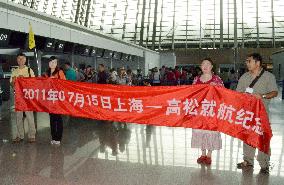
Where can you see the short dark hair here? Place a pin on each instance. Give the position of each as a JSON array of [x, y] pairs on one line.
[[21, 55], [68, 63], [52, 58], [256, 57], [102, 65], [208, 59]]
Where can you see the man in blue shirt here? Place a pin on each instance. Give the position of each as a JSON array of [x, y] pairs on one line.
[[70, 73]]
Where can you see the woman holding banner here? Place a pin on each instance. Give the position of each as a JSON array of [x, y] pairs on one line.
[[56, 122], [206, 140]]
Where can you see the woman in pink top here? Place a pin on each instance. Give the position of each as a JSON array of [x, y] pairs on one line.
[[207, 141]]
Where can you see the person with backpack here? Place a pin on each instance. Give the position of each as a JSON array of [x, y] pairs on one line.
[[56, 122], [23, 71]]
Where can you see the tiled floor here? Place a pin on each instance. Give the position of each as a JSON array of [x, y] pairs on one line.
[[96, 152]]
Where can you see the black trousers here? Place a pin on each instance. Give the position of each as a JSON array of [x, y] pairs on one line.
[[56, 126]]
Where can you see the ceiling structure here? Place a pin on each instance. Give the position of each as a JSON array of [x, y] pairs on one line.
[[173, 24]]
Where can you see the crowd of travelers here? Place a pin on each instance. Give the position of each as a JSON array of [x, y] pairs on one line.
[[157, 76]]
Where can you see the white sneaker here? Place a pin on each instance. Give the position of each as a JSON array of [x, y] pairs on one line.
[[57, 143], [52, 142]]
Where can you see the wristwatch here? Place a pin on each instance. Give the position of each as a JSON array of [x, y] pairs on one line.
[[263, 96]]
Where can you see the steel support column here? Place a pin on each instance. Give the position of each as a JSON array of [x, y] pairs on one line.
[[257, 25], [87, 13], [273, 24], [142, 23], [77, 11], [221, 25], [155, 25]]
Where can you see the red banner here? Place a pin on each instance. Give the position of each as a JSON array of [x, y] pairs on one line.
[[197, 106]]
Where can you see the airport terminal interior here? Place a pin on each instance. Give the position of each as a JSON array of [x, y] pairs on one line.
[[135, 43]]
